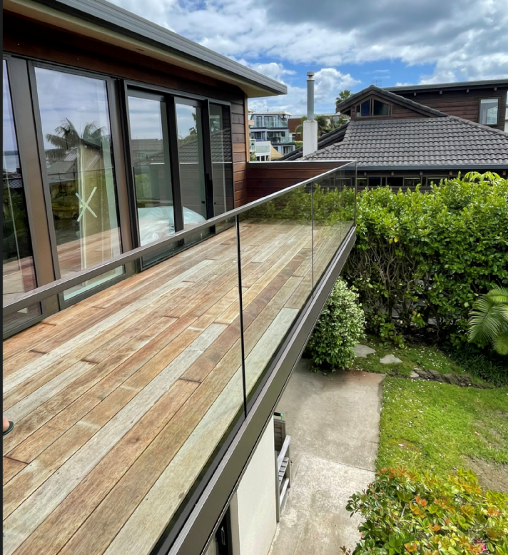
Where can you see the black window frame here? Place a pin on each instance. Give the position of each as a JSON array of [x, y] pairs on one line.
[[21, 71], [358, 110], [480, 110]]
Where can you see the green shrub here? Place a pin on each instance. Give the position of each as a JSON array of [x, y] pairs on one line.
[[409, 513], [484, 364], [339, 328], [427, 256], [488, 322]]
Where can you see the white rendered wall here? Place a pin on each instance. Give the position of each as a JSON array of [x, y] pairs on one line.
[[310, 139], [254, 502]]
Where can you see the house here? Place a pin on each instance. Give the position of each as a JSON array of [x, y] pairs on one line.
[[295, 121], [479, 101], [156, 300], [273, 127], [399, 142]]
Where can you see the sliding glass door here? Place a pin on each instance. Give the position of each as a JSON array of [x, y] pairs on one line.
[[18, 263], [151, 167], [189, 122], [74, 118]]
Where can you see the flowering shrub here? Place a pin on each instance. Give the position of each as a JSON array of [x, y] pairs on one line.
[[409, 513], [338, 330]]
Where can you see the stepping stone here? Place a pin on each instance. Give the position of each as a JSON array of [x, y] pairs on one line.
[[363, 350], [414, 375], [390, 359]]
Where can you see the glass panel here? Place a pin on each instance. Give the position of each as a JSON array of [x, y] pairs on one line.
[[365, 108], [151, 167], [192, 169], [381, 109], [222, 159], [334, 201], [77, 144], [202, 299], [412, 181], [276, 256], [18, 263], [488, 111]]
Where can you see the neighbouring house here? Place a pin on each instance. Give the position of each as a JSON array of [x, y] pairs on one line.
[[273, 127], [479, 101], [295, 121], [155, 301], [400, 142]]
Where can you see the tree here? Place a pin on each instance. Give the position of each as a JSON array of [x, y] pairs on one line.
[[67, 138], [346, 93], [325, 124], [488, 322]]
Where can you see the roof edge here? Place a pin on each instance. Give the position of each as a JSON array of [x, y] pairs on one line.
[[113, 18], [457, 84], [389, 96]]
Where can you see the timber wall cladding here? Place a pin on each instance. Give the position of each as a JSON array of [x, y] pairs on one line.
[[29, 38], [460, 103], [265, 178]]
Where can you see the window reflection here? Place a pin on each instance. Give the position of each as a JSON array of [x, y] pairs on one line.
[[150, 152], [77, 143], [222, 159], [190, 155], [18, 264], [488, 111]]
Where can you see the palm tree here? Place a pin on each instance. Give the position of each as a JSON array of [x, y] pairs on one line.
[[346, 93], [488, 321], [67, 138]]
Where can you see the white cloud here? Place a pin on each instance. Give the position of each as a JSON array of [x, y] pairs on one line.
[[328, 83], [465, 39]]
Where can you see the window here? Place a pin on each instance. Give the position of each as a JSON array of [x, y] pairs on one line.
[[412, 181], [270, 121], [75, 125], [361, 182], [258, 121], [488, 111], [151, 168], [394, 181], [373, 107], [18, 262], [222, 159]]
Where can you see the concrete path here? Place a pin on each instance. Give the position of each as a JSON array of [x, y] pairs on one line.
[[334, 424]]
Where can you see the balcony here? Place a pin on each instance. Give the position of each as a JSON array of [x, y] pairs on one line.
[[126, 403]]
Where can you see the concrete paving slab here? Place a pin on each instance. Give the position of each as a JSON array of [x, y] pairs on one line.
[[363, 350], [390, 359], [315, 520], [334, 424]]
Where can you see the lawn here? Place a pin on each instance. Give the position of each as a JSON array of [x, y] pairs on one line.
[[430, 358], [430, 426]]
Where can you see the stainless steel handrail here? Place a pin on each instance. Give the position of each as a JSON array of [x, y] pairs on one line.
[[44, 291]]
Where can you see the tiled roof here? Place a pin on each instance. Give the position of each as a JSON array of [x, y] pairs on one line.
[[419, 142]]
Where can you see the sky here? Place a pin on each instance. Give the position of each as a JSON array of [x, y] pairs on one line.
[[348, 44]]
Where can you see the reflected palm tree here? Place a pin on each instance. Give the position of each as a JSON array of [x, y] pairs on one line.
[[66, 138]]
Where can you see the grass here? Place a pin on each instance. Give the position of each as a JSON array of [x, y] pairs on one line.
[[429, 358], [430, 426]]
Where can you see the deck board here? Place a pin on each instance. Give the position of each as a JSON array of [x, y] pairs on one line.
[[121, 399]]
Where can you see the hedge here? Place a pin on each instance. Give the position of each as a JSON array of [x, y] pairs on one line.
[[426, 256]]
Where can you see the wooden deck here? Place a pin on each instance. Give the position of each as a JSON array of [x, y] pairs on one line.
[[120, 400]]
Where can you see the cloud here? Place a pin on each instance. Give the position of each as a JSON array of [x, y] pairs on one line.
[[328, 83], [463, 39]]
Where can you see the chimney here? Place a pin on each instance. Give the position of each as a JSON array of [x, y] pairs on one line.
[[310, 127]]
